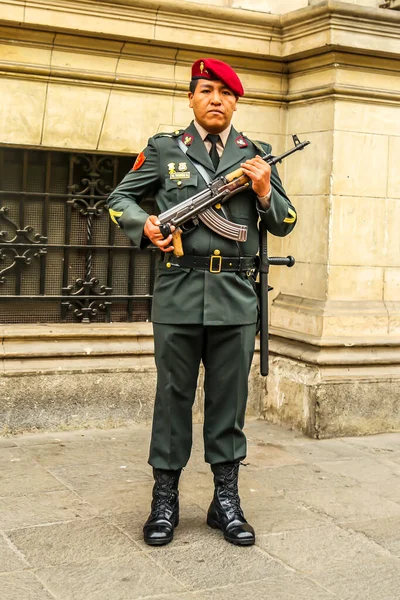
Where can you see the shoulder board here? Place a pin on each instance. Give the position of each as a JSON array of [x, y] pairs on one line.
[[159, 135], [174, 134]]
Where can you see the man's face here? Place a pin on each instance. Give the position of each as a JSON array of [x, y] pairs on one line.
[[213, 105]]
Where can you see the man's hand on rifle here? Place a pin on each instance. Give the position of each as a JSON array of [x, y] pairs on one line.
[[259, 172], [152, 231]]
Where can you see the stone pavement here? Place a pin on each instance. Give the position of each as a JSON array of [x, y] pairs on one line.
[[326, 514]]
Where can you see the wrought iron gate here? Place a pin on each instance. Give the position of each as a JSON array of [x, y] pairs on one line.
[[61, 257]]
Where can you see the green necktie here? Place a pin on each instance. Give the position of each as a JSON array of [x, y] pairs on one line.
[[214, 139]]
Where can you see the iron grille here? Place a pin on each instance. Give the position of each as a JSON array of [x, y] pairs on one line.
[[61, 257]]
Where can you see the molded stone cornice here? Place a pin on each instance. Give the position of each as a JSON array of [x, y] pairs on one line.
[[245, 33]]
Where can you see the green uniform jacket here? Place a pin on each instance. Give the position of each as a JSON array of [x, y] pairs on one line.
[[188, 296]]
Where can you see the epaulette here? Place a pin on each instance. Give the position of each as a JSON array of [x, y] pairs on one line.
[[176, 133]]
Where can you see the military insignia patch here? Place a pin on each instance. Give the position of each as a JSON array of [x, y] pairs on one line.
[[171, 168], [182, 166], [241, 142], [139, 161], [187, 139]]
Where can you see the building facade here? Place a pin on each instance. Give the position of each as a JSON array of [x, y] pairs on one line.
[[82, 87]]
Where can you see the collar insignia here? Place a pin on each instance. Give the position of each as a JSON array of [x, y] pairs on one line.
[[187, 139], [241, 142]]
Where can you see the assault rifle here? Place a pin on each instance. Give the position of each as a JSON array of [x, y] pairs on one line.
[[200, 207]]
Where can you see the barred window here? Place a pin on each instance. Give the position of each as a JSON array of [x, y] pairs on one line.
[[61, 257]]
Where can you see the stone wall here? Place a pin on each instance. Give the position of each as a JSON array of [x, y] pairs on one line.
[[76, 75]]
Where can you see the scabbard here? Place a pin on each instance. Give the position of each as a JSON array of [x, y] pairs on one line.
[[264, 270]]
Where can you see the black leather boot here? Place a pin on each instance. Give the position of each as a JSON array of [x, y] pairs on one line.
[[225, 512], [164, 517]]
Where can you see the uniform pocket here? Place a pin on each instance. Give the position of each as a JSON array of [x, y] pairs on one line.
[[180, 183]]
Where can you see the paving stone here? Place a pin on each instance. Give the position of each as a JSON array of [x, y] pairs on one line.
[[72, 453], [73, 542], [389, 489], [126, 578], [346, 504], [259, 429], [38, 509], [272, 515], [267, 455], [119, 498], [320, 450], [384, 443], [385, 532], [23, 476], [291, 587], [343, 562], [311, 551], [94, 475], [10, 560], [216, 563], [22, 586], [365, 470], [297, 477]]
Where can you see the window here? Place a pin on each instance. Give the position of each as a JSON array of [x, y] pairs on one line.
[[61, 257]]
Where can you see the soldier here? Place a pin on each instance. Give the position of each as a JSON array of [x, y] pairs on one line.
[[204, 306]]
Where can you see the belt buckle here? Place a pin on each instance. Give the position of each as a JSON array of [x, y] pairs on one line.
[[218, 268]]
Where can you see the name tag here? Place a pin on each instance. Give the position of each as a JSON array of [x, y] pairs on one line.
[[184, 175]]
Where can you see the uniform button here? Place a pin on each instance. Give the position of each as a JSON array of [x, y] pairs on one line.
[[168, 265], [218, 206], [179, 183], [217, 252]]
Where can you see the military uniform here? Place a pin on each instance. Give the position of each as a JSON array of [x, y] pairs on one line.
[[200, 315]]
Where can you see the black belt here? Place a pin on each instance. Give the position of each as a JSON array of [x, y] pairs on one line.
[[214, 263]]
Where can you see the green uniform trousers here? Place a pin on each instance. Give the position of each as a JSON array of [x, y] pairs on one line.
[[226, 352]]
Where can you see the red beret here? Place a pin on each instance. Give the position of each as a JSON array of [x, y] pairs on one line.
[[210, 68]]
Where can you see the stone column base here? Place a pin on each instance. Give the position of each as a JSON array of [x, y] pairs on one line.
[[335, 391]]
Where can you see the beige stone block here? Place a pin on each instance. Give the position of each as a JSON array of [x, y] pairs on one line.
[[84, 61], [371, 80], [93, 44], [74, 116], [355, 283], [393, 309], [309, 240], [131, 119], [311, 80], [146, 69], [367, 40], [267, 117], [10, 11], [295, 319], [27, 55], [308, 172], [224, 39], [358, 231], [182, 115], [394, 170], [122, 22], [359, 161], [393, 237], [21, 111], [368, 321], [391, 290], [270, 6], [368, 118], [311, 116], [262, 81], [308, 42], [304, 280]]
